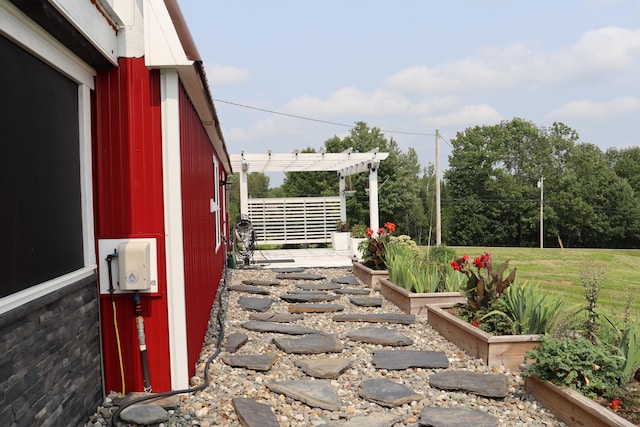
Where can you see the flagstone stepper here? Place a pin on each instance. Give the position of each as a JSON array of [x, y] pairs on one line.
[[254, 414], [279, 328], [353, 291], [317, 394], [300, 276], [314, 308], [366, 302], [435, 416], [256, 362], [235, 341], [276, 317], [382, 336], [318, 286], [346, 280], [261, 282], [309, 344], [489, 385], [405, 359], [324, 367], [404, 319], [249, 289], [308, 297], [387, 393], [255, 303]]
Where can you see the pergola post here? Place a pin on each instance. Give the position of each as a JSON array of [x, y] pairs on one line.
[[343, 199], [244, 191], [374, 220]]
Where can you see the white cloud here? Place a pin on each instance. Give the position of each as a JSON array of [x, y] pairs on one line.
[[223, 75], [470, 115], [598, 54], [349, 102], [587, 109]]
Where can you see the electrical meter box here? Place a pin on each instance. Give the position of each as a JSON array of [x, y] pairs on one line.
[[134, 266]]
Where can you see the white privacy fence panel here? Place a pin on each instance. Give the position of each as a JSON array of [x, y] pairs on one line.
[[294, 220]]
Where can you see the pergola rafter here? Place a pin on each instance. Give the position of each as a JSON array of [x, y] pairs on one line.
[[344, 164]]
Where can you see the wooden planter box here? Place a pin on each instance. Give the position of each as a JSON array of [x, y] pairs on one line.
[[414, 303], [495, 350], [368, 276], [571, 407]]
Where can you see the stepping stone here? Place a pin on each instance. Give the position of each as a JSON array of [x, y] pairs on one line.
[[387, 393], [249, 289], [405, 359], [303, 297], [309, 344], [378, 419], [314, 308], [300, 276], [235, 341], [382, 336], [288, 270], [276, 317], [346, 280], [353, 291], [489, 385], [144, 414], [317, 394], [279, 328], [254, 414], [261, 282], [307, 292], [166, 402], [325, 367], [404, 319], [318, 286], [255, 303], [256, 362], [367, 302], [457, 417]]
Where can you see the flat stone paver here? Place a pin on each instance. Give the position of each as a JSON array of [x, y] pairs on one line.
[[256, 362], [405, 359], [353, 291], [300, 276], [255, 303], [314, 308], [387, 393], [254, 414], [309, 344], [378, 419], [249, 289], [235, 341], [261, 282], [317, 394], [346, 280], [276, 317], [404, 319], [366, 302], [279, 328], [318, 286], [457, 417], [383, 336], [308, 297], [288, 269], [489, 385], [324, 367], [144, 414]]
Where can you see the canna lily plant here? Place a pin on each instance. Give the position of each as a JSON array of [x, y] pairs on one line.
[[373, 249]]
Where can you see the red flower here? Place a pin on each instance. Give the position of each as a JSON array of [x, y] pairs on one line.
[[455, 266], [615, 404], [483, 260], [390, 226], [380, 231], [369, 232], [475, 322], [458, 263]]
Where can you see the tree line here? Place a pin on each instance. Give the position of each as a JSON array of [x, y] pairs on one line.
[[490, 193]]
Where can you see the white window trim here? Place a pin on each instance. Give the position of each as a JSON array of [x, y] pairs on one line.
[[216, 192], [21, 30]]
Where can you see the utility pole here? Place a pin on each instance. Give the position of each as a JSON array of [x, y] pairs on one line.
[[541, 187], [438, 219]]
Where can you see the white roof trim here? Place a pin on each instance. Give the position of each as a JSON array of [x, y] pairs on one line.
[[161, 41], [345, 163]]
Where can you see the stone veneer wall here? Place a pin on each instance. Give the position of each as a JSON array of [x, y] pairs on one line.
[[50, 365]]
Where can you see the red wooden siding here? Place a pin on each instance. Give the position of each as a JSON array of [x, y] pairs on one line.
[[129, 203], [202, 264]]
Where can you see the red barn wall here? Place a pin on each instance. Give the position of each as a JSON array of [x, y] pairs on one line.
[[203, 265], [129, 203]]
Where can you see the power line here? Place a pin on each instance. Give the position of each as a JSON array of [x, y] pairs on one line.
[[295, 116]]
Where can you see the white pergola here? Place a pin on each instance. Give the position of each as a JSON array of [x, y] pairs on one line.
[[345, 164]]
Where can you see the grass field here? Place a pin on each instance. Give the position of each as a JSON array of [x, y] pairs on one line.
[[560, 270]]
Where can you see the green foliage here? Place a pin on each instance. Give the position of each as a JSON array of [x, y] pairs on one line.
[[629, 348], [373, 249], [358, 231], [576, 363], [484, 285], [441, 254], [407, 270], [342, 227], [527, 309]]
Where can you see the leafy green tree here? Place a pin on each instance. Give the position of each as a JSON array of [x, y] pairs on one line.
[[626, 164], [310, 184]]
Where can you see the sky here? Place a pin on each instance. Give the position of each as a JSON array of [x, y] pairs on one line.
[[410, 67]]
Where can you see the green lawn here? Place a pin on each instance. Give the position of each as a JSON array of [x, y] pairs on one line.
[[559, 271]]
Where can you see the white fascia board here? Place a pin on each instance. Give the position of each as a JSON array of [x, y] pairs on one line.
[[162, 45], [94, 26], [176, 301]]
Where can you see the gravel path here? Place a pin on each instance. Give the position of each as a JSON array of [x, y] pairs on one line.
[[213, 406]]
